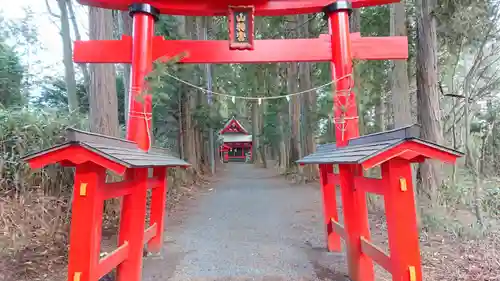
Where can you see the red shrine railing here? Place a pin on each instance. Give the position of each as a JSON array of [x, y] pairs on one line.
[[338, 47], [393, 152], [92, 155]]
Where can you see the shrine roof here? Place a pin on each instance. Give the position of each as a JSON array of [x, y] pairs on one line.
[[236, 138], [107, 149], [220, 7], [237, 124], [374, 149]]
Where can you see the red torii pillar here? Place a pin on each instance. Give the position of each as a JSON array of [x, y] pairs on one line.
[[139, 130], [346, 116], [139, 120]]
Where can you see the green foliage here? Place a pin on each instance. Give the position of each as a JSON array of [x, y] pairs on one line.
[[18, 39], [375, 21], [53, 95], [23, 131], [11, 75]]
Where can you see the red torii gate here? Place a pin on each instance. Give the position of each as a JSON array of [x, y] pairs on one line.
[[142, 48]]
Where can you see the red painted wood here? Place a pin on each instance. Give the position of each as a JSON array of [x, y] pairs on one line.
[[409, 155], [132, 224], [139, 122], [387, 48], [86, 221], [377, 254], [150, 233], [334, 179], [360, 266], [239, 144], [344, 98], [401, 220], [265, 51], [370, 185], [339, 229], [418, 159], [234, 126], [66, 163], [112, 260], [122, 188], [233, 44], [415, 148], [329, 208], [219, 8], [76, 155], [158, 207], [117, 189]]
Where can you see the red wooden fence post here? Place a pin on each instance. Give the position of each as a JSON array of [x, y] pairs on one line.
[[132, 224], [401, 221], [140, 107], [158, 202], [330, 207], [86, 222], [356, 225]]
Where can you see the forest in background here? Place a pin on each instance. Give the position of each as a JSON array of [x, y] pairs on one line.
[[449, 85]]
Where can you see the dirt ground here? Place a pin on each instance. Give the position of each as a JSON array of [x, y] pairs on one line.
[[250, 225]]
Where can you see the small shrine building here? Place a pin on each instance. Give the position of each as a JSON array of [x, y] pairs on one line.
[[236, 142]]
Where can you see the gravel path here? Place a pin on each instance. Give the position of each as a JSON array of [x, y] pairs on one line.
[[251, 225]]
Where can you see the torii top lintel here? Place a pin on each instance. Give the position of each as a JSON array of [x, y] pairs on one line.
[[219, 7]]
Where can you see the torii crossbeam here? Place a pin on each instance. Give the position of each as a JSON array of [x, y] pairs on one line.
[[338, 47], [265, 51], [219, 7]]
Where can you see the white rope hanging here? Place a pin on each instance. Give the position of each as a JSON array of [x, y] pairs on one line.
[[338, 121], [259, 99]]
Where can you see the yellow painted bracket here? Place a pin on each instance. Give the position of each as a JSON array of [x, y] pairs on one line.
[[83, 189], [402, 184], [413, 273]]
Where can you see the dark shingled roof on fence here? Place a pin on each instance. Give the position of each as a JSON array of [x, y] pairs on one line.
[[363, 148], [117, 150]]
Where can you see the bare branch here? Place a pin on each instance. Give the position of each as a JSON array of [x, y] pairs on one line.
[[50, 10], [83, 66]]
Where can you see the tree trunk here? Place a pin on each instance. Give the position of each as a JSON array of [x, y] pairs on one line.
[[294, 113], [102, 96], [294, 105], [69, 68], [309, 105], [181, 29], [126, 29], [255, 133], [455, 142], [190, 102], [103, 101], [469, 158], [400, 84], [355, 21], [380, 113], [355, 26], [428, 93], [262, 146], [280, 119], [83, 66]]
